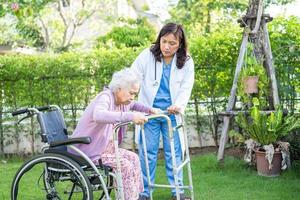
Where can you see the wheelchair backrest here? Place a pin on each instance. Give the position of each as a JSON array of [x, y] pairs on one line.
[[53, 126]]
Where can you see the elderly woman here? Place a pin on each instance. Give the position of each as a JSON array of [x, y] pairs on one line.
[[111, 106]]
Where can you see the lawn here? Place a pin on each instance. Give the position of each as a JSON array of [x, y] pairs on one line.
[[233, 181]]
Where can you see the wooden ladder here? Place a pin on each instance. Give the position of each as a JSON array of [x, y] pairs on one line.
[[255, 30]]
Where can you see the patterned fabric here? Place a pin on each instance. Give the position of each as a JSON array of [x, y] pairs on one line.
[[130, 169]]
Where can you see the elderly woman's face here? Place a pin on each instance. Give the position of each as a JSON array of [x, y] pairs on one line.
[[126, 96], [169, 44]]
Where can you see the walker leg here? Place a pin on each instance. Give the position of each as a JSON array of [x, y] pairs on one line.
[[120, 192], [191, 188], [146, 161], [175, 170]]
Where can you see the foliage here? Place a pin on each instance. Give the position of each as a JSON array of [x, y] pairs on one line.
[[285, 40], [294, 140], [204, 16], [24, 13], [69, 80], [30, 34], [267, 129], [197, 15], [252, 67], [52, 24], [7, 33], [22, 8], [134, 34], [65, 79], [215, 55]]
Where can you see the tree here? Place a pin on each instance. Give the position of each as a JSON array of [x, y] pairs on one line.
[[72, 20], [200, 16], [196, 15], [53, 23], [25, 12], [135, 33]]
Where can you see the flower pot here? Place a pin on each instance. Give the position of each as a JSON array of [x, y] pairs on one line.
[[262, 164], [250, 84]]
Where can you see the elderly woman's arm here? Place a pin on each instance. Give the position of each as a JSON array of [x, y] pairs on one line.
[[102, 113], [142, 108]]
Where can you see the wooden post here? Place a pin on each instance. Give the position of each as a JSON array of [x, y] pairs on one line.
[[270, 66], [232, 97]]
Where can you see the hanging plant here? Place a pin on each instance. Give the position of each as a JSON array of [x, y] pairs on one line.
[[253, 80]]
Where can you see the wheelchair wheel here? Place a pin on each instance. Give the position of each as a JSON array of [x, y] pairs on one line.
[[110, 186], [54, 177], [97, 186]]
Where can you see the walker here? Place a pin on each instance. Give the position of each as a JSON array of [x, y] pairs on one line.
[[186, 157]]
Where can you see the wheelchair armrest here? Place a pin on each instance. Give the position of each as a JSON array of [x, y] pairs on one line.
[[79, 140]]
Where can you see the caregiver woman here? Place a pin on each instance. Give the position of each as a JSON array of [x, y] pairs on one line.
[[167, 79]]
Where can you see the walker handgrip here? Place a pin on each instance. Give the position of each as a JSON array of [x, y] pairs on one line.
[[164, 112], [19, 112], [43, 108]]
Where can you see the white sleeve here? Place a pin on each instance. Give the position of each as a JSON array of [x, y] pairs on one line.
[[184, 93]]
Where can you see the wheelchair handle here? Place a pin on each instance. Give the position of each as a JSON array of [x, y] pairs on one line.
[[33, 110], [19, 112], [42, 108]]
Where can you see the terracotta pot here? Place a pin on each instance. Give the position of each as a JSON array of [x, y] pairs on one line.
[[251, 84], [262, 164]]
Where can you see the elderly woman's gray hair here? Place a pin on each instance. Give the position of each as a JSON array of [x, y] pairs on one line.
[[124, 79]]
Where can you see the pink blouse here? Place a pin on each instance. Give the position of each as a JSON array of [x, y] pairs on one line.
[[98, 120]]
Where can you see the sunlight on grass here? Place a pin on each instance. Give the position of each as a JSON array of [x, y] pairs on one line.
[[233, 181]]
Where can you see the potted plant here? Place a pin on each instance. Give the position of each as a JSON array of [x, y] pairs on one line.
[[250, 75], [266, 129], [253, 79]]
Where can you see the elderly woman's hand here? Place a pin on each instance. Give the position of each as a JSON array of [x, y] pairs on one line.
[[173, 109], [139, 118]]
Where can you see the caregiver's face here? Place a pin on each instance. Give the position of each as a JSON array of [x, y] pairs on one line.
[[169, 44]]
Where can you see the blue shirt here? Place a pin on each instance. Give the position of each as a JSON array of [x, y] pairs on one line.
[[163, 99]]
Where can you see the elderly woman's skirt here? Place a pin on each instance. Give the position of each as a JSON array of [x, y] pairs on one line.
[[130, 169]]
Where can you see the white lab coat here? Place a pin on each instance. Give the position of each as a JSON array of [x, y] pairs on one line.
[[181, 84]]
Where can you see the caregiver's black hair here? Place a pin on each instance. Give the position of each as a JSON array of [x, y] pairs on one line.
[[178, 32]]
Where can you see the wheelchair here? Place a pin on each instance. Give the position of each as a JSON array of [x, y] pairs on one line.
[[58, 174]]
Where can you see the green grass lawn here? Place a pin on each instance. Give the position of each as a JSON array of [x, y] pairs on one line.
[[233, 181]]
